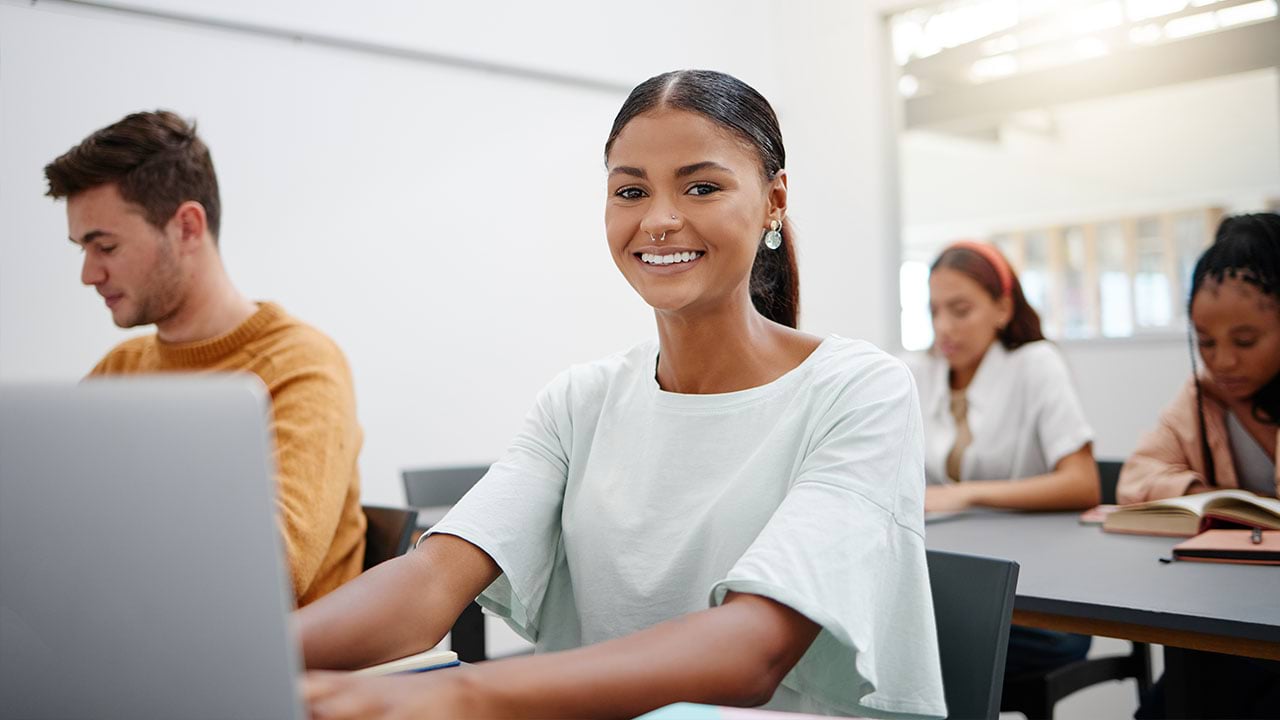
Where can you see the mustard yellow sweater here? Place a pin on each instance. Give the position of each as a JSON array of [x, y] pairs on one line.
[[317, 438]]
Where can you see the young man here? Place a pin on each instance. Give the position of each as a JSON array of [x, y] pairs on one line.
[[142, 204]]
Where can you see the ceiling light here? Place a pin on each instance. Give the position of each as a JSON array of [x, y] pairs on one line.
[[994, 67], [1249, 12], [908, 86], [1190, 25], [1146, 34], [1146, 9]]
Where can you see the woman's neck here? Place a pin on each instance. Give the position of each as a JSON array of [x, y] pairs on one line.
[[725, 349], [961, 377]]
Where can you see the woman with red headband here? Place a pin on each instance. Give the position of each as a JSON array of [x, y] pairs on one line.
[[997, 399], [1003, 426]]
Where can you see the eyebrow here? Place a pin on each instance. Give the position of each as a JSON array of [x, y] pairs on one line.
[[89, 237], [704, 165], [685, 171], [1233, 330]]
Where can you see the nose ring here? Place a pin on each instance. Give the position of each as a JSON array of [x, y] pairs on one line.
[[659, 238]]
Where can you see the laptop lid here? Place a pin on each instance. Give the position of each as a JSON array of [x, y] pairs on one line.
[[141, 572]]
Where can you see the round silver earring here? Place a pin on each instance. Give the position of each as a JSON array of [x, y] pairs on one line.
[[773, 236]]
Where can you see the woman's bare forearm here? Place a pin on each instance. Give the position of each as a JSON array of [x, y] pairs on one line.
[[735, 654], [1073, 485], [400, 607]]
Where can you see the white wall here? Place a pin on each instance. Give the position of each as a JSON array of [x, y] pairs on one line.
[[444, 225]]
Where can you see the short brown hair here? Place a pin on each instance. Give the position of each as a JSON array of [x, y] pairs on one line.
[[155, 159]]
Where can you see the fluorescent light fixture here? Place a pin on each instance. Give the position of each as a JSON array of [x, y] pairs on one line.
[[1146, 34], [1099, 16], [994, 67], [962, 24], [908, 86], [1001, 45], [1146, 9], [1190, 25], [906, 37], [1249, 12]]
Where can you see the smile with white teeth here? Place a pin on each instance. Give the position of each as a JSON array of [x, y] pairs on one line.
[[670, 258]]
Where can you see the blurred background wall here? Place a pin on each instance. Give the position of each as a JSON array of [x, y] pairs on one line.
[[424, 181]]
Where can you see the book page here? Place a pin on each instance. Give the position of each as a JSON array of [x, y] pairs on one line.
[[413, 663], [1253, 510], [1195, 503]]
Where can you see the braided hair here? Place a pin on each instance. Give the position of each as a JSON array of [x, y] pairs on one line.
[[1246, 248]]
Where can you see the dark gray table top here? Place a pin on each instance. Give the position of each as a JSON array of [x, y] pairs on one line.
[[1079, 571]]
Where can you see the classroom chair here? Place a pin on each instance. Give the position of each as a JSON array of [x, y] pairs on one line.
[[387, 533], [972, 606], [440, 487], [1035, 694]]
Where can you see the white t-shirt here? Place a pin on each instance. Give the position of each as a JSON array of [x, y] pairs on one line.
[[620, 506], [1023, 414]]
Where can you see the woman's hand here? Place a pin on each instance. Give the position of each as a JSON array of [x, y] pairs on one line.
[[948, 498], [420, 696]]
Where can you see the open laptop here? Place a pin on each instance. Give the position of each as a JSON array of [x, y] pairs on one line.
[[141, 572]]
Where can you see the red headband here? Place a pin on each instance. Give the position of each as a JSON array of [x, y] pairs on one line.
[[992, 256]]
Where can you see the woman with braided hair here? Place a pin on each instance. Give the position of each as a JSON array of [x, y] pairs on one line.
[[1220, 431]]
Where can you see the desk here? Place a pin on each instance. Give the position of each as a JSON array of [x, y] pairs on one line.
[[1076, 578]]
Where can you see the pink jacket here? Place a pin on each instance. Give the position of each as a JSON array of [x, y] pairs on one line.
[[1169, 459]]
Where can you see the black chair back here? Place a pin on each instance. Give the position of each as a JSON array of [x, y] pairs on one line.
[[973, 607], [1108, 478], [438, 487], [388, 533]]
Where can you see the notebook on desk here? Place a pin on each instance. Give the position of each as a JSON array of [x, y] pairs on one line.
[[1247, 547]]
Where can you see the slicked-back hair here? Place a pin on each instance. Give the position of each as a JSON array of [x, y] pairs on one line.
[[1246, 248], [155, 159], [737, 107]]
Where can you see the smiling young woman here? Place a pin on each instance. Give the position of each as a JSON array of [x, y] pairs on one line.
[[731, 514]]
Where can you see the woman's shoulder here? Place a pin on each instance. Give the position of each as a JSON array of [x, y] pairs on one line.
[[1184, 407], [597, 375], [1036, 351], [858, 366], [923, 364], [1039, 360]]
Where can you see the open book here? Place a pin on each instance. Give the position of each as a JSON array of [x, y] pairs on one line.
[[1187, 515], [422, 662]]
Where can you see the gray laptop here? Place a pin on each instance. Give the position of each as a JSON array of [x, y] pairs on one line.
[[141, 573]]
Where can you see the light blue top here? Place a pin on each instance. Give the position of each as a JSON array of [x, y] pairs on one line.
[[620, 506]]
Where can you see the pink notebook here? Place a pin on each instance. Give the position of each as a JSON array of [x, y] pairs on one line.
[[1231, 546]]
